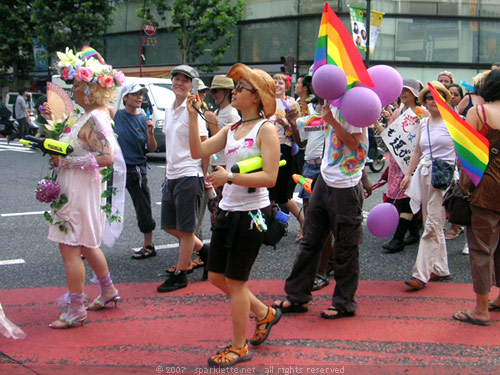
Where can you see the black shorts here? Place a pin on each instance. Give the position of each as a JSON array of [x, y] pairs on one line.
[[180, 204], [235, 244]]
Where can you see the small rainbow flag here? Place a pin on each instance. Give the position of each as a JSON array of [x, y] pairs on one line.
[[472, 148], [88, 52], [335, 46]]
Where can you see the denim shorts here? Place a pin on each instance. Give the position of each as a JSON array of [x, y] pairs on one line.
[[310, 170]]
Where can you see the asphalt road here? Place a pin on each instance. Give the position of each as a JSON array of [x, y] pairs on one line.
[[24, 236]]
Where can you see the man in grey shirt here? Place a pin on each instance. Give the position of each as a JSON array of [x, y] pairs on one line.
[[21, 112]]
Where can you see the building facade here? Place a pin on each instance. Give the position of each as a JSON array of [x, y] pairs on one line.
[[418, 37]]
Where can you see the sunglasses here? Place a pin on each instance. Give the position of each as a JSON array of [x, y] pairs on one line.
[[239, 87], [428, 97]]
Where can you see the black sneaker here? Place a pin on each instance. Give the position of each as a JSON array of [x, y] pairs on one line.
[[411, 239], [394, 246], [174, 282]]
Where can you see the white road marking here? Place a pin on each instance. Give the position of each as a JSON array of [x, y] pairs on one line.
[[22, 213], [19, 148], [167, 246], [11, 261]]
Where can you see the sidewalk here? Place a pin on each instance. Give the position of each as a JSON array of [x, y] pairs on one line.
[[395, 331]]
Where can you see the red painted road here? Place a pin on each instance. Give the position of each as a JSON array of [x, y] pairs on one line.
[[395, 331]]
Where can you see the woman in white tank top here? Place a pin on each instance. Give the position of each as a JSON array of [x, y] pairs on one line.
[[238, 231]]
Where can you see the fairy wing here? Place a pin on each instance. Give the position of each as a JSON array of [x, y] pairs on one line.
[[59, 101]]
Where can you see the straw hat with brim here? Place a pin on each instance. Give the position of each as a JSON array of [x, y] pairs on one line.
[[260, 81], [222, 82], [412, 85], [439, 87]]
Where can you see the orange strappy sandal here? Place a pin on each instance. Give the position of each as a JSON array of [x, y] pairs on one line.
[[271, 319], [223, 359]]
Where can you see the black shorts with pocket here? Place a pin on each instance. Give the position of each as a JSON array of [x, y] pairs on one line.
[[235, 244]]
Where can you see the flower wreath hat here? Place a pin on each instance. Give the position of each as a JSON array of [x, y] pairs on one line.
[[88, 66]]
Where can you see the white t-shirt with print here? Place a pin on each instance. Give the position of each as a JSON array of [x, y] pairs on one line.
[[312, 129], [342, 167], [177, 152]]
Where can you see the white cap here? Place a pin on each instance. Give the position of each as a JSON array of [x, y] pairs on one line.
[[132, 88], [201, 85]]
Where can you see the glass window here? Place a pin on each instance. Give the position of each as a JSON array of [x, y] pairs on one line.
[[267, 41], [230, 56], [257, 9], [122, 49], [427, 40], [308, 38], [166, 52], [489, 43]]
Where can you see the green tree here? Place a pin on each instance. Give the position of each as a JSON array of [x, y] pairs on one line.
[[198, 24], [71, 23], [16, 42]]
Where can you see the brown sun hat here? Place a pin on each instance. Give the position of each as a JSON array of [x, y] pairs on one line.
[[222, 82], [260, 81], [439, 87]]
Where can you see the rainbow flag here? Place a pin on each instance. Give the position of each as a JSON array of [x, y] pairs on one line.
[[88, 52], [472, 148], [335, 46]]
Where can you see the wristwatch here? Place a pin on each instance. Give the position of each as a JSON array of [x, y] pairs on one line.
[[230, 177]]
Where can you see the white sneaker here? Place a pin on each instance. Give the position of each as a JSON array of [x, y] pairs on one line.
[[465, 249]]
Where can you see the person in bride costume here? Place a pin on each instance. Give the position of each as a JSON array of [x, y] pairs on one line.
[[86, 219]]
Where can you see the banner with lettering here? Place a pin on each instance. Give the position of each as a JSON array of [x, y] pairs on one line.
[[401, 136]]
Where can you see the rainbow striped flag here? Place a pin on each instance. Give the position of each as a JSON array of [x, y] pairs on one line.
[[335, 46], [472, 148], [88, 52]]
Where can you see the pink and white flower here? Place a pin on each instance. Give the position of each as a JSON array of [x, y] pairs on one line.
[[84, 74], [106, 81]]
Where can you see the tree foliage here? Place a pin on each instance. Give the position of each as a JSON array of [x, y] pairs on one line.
[[16, 42], [71, 23], [199, 24]]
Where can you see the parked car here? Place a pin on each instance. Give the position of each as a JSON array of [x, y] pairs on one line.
[[159, 97]]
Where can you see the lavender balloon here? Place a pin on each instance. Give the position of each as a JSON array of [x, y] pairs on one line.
[[383, 220], [47, 191], [360, 107], [329, 82], [388, 83]]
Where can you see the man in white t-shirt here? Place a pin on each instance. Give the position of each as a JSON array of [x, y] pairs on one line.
[[184, 185], [336, 204]]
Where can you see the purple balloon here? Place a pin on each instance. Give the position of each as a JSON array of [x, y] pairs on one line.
[[360, 107], [383, 220], [329, 82], [388, 83]]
